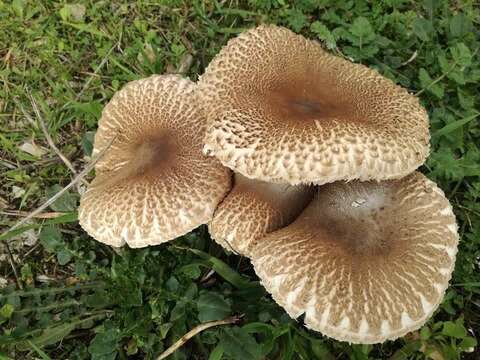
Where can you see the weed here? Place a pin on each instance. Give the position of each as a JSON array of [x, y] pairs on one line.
[[81, 299]]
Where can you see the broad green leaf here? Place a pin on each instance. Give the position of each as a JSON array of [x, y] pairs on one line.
[[406, 351], [216, 353], [93, 108], [64, 256], [268, 332], [454, 329], [296, 19], [324, 34], [460, 25], [425, 333], [362, 29], [164, 329], [212, 306], [423, 29], [6, 312], [178, 311], [65, 203], [50, 335], [224, 270], [191, 270], [461, 54], [321, 351], [172, 284], [104, 343], [240, 345], [51, 238], [468, 343]]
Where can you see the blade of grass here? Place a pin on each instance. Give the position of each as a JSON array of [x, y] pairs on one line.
[[88, 29], [473, 284], [53, 290], [38, 350], [64, 219], [216, 353], [57, 333], [223, 269], [52, 306], [447, 129]]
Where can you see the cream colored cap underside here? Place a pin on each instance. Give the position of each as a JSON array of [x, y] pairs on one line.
[[365, 262], [153, 184], [282, 109]]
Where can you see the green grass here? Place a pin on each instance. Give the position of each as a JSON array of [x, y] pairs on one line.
[[81, 299]]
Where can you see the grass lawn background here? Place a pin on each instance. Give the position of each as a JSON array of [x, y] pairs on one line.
[[83, 300]]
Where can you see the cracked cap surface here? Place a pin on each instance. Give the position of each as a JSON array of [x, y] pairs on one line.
[[153, 184], [280, 108]]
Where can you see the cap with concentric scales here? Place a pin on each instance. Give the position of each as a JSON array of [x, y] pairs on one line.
[[365, 262], [153, 184], [280, 108], [254, 208]]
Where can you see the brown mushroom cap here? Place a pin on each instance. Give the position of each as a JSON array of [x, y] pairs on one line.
[[365, 261], [280, 108], [153, 184], [253, 209]]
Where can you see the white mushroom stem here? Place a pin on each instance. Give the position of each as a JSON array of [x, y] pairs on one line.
[[253, 209]]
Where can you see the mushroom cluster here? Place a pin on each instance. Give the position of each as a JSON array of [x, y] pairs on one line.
[[298, 159]]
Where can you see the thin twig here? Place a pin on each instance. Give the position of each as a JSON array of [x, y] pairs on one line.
[[455, 63], [207, 276], [50, 201], [97, 69], [7, 164], [13, 265], [49, 139], [413, 57], [195, 331], [47, 215], [31, 250]]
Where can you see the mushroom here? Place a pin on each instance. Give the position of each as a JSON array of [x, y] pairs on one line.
[[365, 262], [254, 208], [153, 184], [280, 108]]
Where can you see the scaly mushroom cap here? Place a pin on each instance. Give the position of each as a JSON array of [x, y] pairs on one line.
[[153, 184], [254, 208], [365, 261], [282, 109]]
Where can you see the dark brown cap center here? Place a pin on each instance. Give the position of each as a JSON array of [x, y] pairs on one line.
[[154, 155], [301, 100]]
